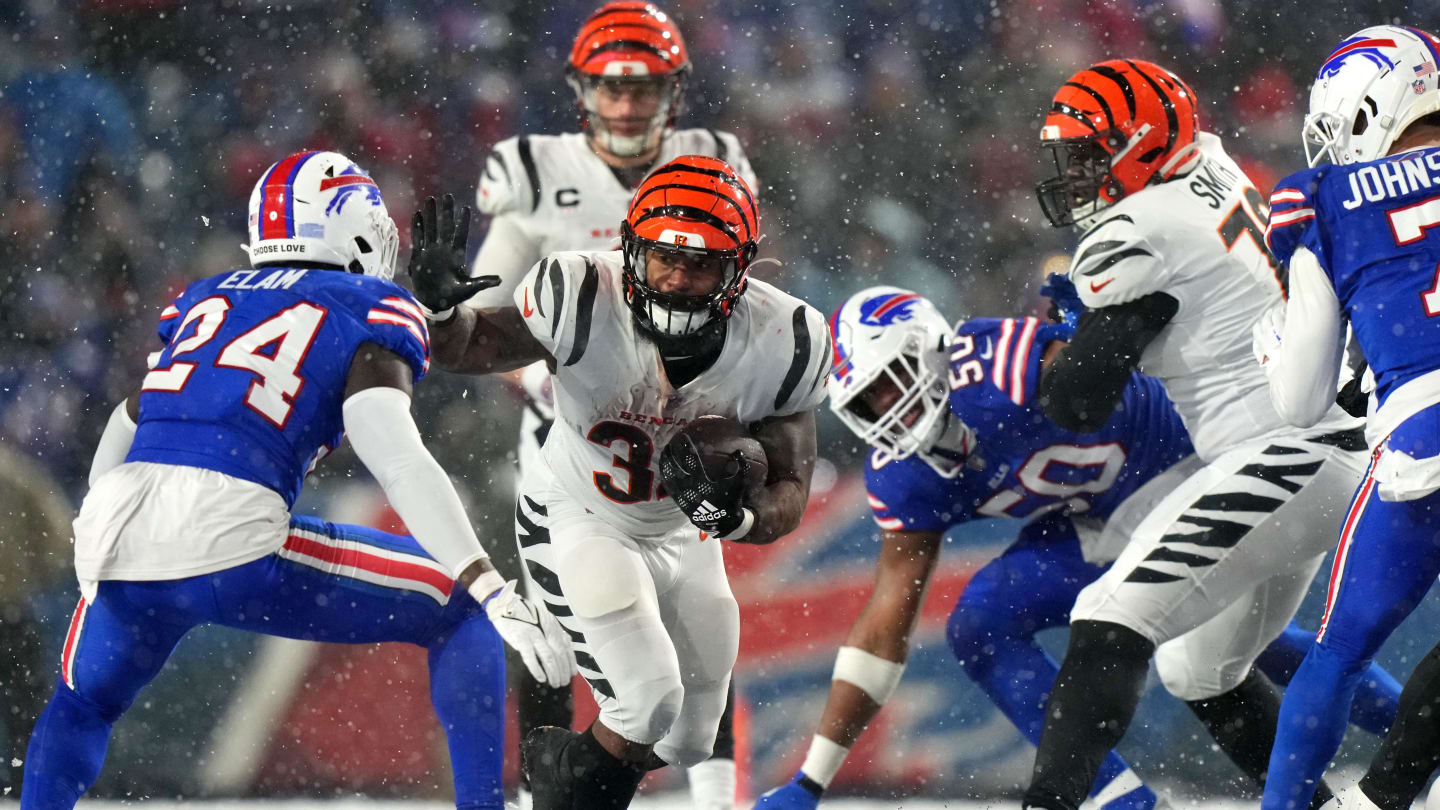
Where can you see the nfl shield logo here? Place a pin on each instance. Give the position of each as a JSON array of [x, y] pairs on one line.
[[1419, 86]]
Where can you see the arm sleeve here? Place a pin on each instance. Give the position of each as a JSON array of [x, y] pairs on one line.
[[901, 500], [114, 443], [1080, 389], [1306, 368], [385, 438], [508, 251]]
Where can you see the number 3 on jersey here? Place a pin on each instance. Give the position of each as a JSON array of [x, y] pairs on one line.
[[636, 461], [290, 332]]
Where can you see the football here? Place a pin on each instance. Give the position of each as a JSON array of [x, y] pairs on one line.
[[717, 438]]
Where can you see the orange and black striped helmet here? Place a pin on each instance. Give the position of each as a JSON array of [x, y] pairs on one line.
[[1113, 129], [629, 41], [697, 207]]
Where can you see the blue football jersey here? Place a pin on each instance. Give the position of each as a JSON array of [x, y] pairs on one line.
[[1023, 464], [1370, 226], [252, 377]]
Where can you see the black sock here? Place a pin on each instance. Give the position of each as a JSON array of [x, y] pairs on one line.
[[1242, 722], [1090, 707], [602, 780], [1411, 751]]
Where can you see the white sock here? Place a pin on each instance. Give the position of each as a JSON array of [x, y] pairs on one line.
[[712, 784]]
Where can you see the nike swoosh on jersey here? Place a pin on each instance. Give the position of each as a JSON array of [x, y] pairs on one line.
[[527, 311], [1095, 288], [989, 349]]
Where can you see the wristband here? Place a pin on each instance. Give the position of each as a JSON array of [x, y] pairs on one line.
[[443, 317], [486, 586], [747, 522]]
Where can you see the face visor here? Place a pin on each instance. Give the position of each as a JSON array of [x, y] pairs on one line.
[[1082, 172], [627, 115], [681, 314], [903, 409]]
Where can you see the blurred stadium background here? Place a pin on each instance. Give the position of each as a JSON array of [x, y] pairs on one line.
[[892, 141]]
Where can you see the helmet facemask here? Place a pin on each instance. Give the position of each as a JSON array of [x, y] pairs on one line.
[[915, 394], [1082, 185], [678, 316], [666, 91]]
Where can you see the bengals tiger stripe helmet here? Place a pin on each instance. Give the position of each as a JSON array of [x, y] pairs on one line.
[[632, 42], [1113, 129], [698, 207]]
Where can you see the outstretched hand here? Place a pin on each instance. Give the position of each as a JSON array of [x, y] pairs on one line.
[[437, 256]]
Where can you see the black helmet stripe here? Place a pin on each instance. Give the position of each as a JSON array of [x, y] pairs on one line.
[[725, 177], [1170, 117], [721, 197], [1099, 99], [1071, 112], [1119, 78], [691, 213], [628, 45]]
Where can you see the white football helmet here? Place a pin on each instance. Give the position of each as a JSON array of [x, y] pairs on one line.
[[1375, 84], [890, 336], [320, 207]]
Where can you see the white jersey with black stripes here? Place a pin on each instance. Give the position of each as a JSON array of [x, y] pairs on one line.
[[548, 193], [615, 408], [1199, 239]]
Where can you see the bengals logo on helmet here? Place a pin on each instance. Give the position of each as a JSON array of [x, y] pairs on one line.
[[1114, 128], [700, 207]]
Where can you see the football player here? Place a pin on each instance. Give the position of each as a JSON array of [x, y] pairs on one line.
[[1355, 243], [1173, 270], [547, 193], [188, 519], [619, 526], [958, 433]]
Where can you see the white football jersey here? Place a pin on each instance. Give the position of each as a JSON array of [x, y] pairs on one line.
[[1200, 239], [548, 193], [615, 409]]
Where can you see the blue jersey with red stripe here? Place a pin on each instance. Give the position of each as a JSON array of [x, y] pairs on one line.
[[253, 374], [1372, 228], [1024, 465]]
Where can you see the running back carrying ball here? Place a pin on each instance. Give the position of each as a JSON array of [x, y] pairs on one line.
[[709, 468]]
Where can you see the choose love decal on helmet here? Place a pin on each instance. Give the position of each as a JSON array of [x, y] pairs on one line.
[[1112, 129], [697, 207], [636, 43], [320, 207]]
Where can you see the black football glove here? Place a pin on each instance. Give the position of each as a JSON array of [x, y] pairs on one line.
[[713, 505], [437, 256]]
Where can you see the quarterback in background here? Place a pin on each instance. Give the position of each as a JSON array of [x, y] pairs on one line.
[[188, 521], [1173, 271], [1356, 241], [628, 68], [620, 523]]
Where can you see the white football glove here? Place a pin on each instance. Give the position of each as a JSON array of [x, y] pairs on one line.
[[529, 628], [1265, 335]]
